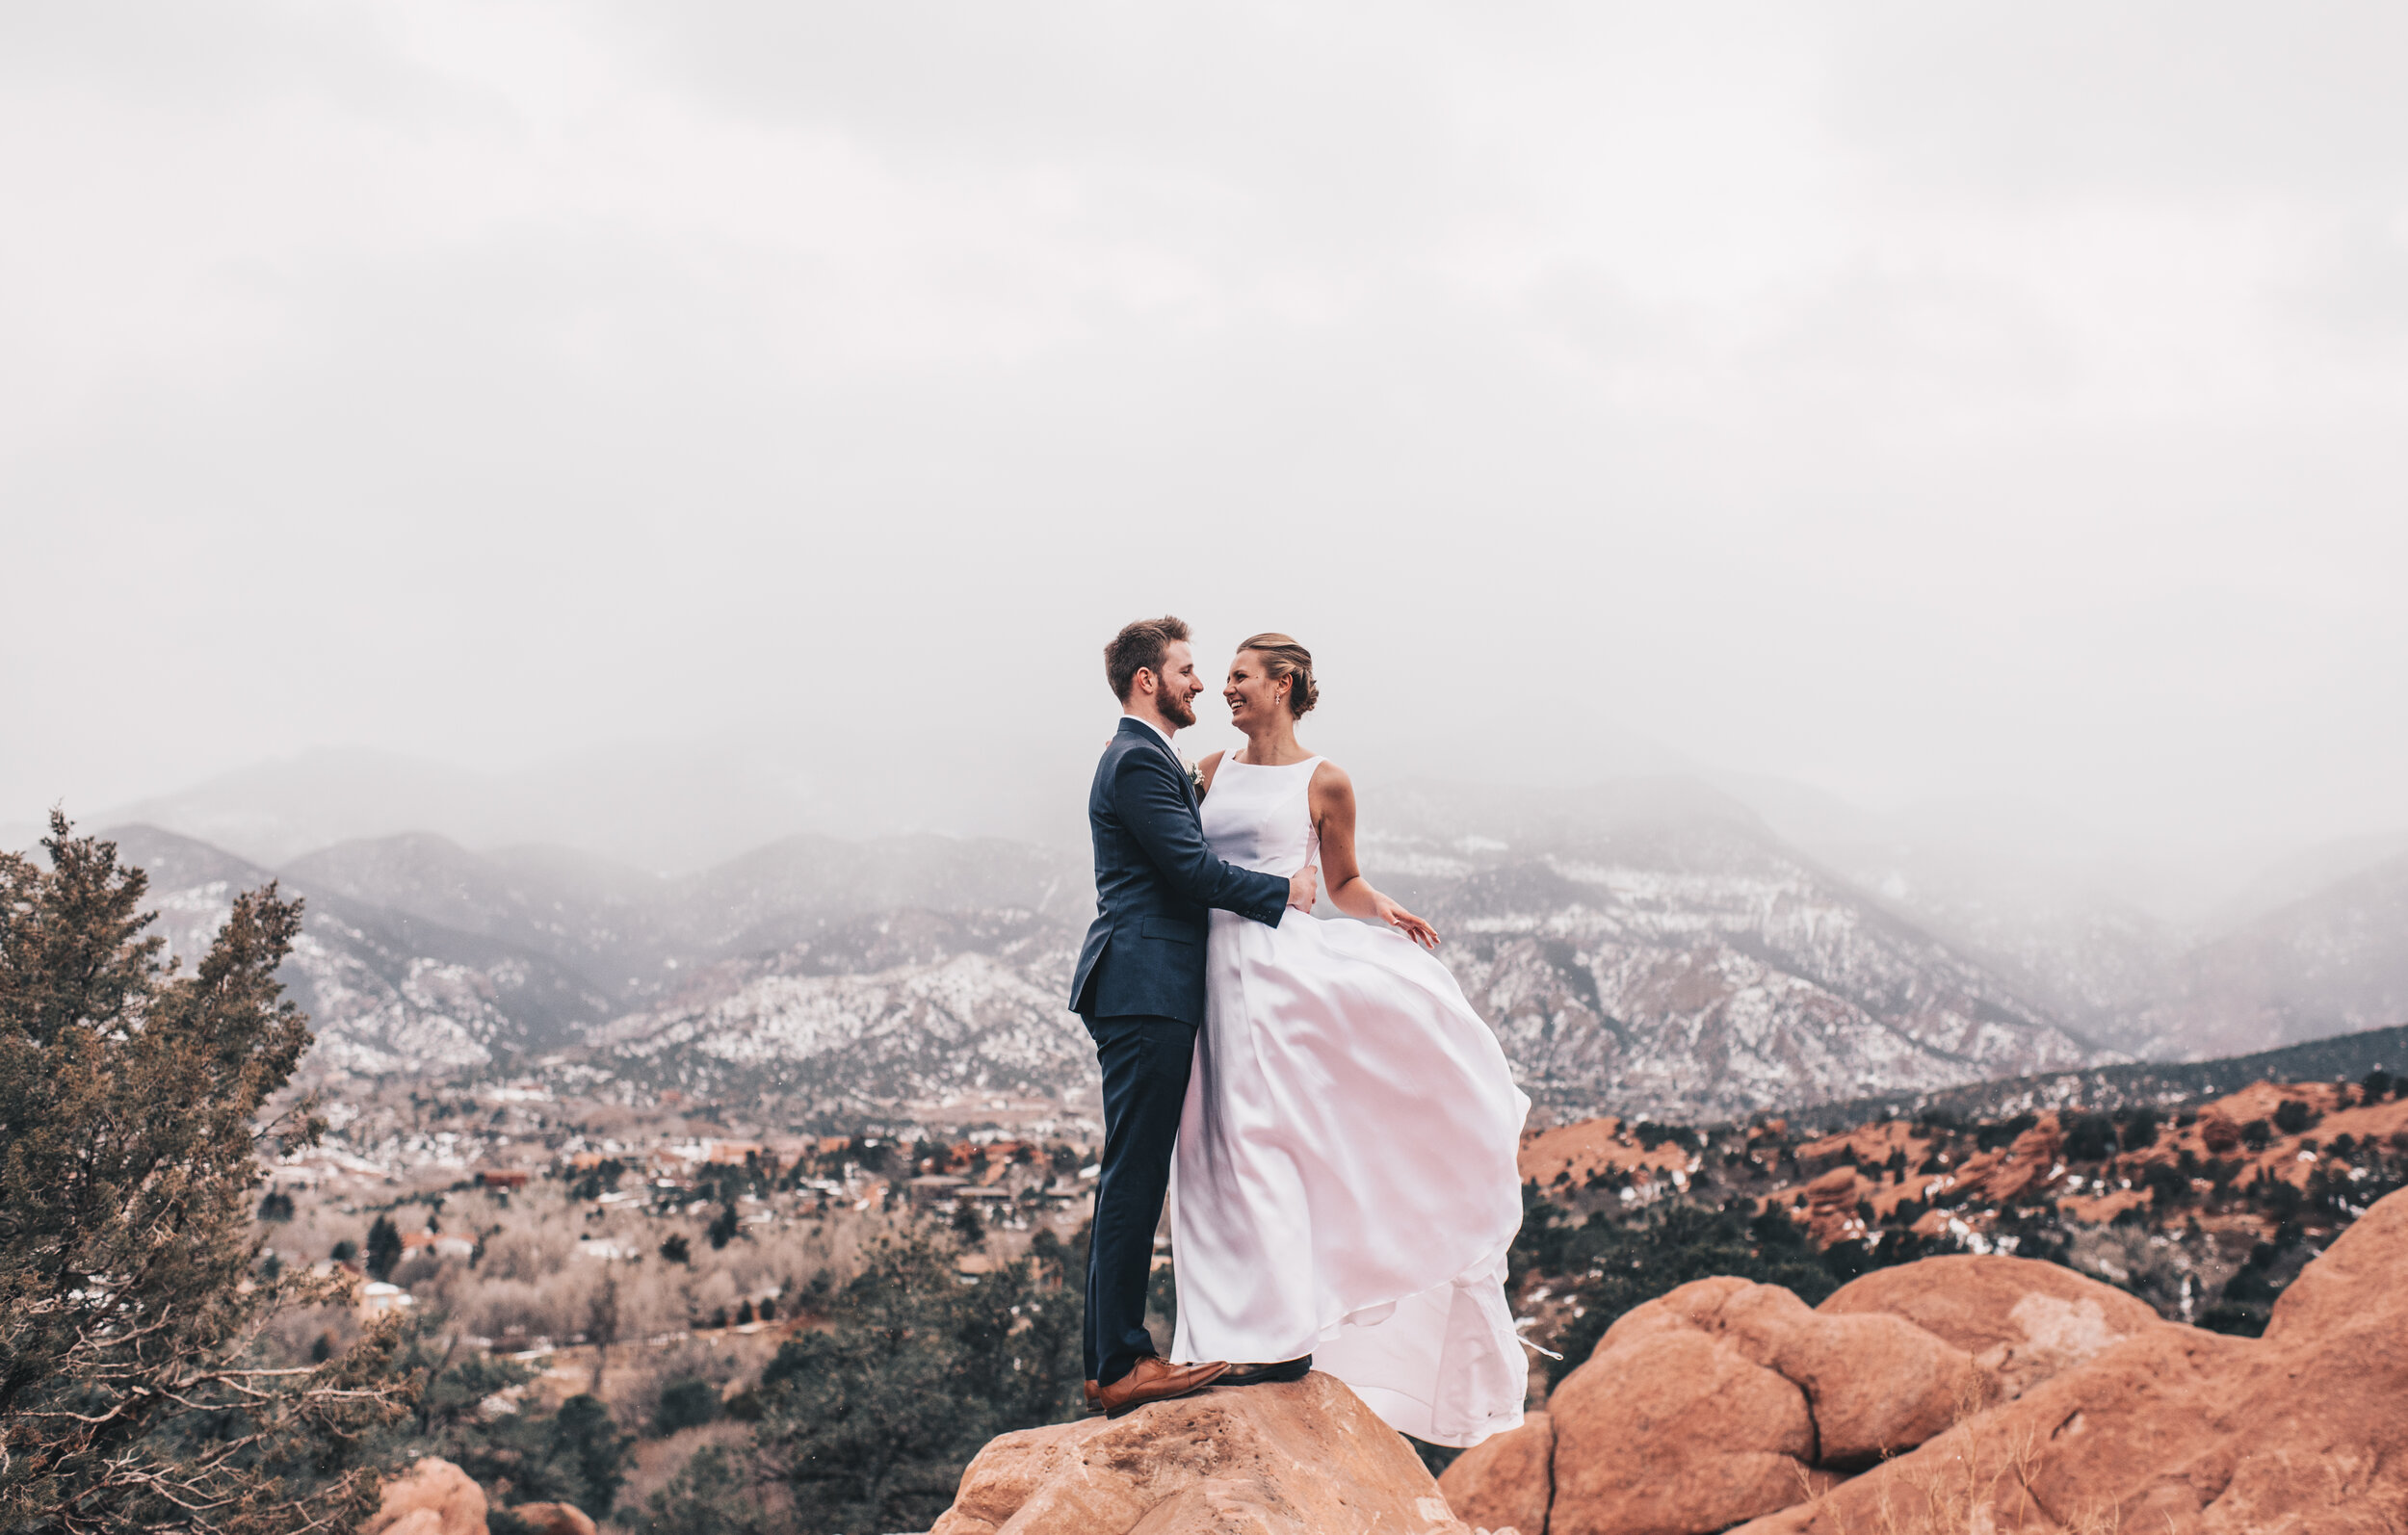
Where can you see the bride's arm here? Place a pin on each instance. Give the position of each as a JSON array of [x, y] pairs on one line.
[[1333, 816]]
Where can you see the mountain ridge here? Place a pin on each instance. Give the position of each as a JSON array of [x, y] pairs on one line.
[[1645, 945]]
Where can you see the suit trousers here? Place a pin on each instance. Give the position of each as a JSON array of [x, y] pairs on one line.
[[1147, 1062]]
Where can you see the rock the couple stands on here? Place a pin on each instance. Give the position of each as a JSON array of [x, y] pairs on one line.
[[1950, 1394]]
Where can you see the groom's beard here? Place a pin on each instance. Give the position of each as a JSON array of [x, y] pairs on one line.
[[1180, 712]]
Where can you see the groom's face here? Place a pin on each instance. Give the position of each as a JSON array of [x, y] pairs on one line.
[[1179, 685]]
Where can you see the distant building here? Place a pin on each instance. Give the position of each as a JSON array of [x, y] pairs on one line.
[[934, 1189], [377, 1297], [502, 1177], [438, 1244]]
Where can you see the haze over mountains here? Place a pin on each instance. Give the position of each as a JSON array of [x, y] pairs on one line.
[[1648, 945]]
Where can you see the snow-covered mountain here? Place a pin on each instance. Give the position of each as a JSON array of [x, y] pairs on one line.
[[1650, 945], [1647, 947], [418, 956], [908, 1005], [385, 989]]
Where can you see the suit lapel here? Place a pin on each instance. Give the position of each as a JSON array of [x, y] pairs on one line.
[[1154, 739]]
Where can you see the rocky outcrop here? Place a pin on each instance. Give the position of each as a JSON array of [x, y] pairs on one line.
[[436, 1498], [553, 1519], [1675, 1433], [1726, 1401], [2184, 1431], [2022, 1321], [1964, 1392], [1301, 1459], [1505, 1481]]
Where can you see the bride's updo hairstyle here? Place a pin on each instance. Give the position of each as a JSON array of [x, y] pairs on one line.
[[1283, 657]]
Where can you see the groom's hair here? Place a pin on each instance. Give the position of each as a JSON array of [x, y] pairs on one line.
[[1139, 647]]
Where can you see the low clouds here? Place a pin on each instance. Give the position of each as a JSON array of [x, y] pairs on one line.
[[1919, 404]]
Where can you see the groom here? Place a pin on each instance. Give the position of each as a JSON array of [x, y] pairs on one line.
[[1140, 989]]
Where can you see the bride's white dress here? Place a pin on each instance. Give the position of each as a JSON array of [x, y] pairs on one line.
[[1346, 1184]]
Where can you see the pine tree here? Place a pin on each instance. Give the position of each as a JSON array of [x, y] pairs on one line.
[[384, 1247], [133, 1396]]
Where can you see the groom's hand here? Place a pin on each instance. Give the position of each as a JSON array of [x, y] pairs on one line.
[[1304, 888]]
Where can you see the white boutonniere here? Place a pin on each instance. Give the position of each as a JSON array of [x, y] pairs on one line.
[[1196, 777]]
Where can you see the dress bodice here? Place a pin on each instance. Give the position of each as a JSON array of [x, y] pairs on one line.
[[1262, 817]]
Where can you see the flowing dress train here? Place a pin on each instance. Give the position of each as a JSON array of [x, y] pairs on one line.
[[1346, 1184]]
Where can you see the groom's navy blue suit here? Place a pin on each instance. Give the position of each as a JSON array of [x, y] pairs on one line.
[[1140, 989]]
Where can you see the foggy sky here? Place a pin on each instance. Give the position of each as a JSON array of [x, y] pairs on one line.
[[1924, 403]]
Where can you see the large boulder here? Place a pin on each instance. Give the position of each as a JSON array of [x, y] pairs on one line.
[[1507, 1480], [1726, 1399], [1301, 1459], [433, 1498], [1674, 1433], [554, 1518], [1873, 1383], [2020, 1320], [2177, 1430]]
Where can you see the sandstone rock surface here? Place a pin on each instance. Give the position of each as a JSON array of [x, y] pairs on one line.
[[2184, 1431], [1673, 1432], [1507, 1480], [434, 1497], [1725, 1399], [1956, 1393], [1301, 1459], [554, 1518], [2022, 1321]]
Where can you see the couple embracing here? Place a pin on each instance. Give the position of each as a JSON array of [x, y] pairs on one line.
[[1333, 1125]]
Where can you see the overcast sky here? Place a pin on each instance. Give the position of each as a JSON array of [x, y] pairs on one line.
[[1918, 402]]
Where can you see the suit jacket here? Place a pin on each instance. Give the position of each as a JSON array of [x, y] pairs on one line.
[[1154, 879]]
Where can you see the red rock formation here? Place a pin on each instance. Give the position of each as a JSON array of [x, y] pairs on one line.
[[1306, 1459], [2022, 1321], [1506, 1482], [2184, 1431], [1831, 1202], [2010, 1172], [554, 1518], [2007, 1394], [1577, 1151], [436, 1498], [1873, 1383], [1726, 1400]]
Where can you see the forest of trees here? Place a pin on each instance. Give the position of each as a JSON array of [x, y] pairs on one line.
[[144, 1381]]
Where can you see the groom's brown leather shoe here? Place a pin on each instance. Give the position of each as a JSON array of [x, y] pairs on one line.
[[1094, 1397], [1156, 1379]]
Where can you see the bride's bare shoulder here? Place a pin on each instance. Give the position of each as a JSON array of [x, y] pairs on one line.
[[1207, 767], [1328, 778]]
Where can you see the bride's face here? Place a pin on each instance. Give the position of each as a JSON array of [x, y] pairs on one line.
[[1253, 696]]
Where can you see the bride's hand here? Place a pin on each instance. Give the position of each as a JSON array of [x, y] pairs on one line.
[[1405, 923]]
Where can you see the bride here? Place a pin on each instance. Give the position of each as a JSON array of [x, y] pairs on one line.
[[1345, 1189]]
